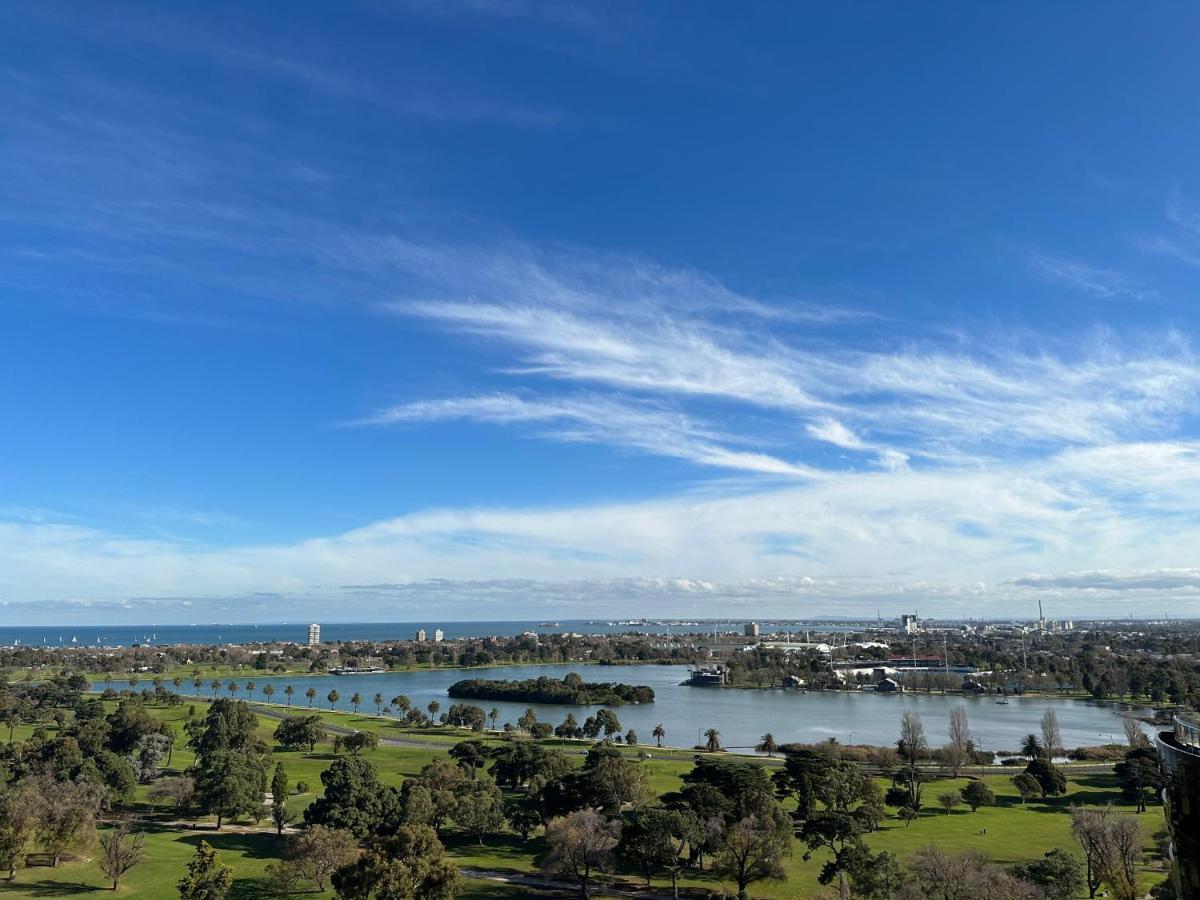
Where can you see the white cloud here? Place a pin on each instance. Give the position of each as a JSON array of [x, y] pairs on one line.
[[600, 420], [943, 540], [1106, 284]]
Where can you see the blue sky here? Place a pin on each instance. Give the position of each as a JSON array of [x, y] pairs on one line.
[[499, 309]]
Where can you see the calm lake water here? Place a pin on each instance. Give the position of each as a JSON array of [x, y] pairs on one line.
[[742, 716]]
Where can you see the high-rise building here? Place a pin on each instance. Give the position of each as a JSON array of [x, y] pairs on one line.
[[1179, 753], [314, 635], [439, 635], [419, 637], [751, 629], [909, 623]]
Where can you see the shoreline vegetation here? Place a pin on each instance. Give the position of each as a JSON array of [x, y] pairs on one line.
[[572, 690]]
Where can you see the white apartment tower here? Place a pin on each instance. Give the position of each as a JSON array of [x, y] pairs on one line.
[[314, 635], [439, 635]]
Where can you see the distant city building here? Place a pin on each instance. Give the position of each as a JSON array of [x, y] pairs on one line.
[[420, 636], [751, 629], [1179, 753], [314, 635], [909, 623], [439, 635]]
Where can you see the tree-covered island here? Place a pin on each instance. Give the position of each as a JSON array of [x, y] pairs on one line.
[[570, 690]]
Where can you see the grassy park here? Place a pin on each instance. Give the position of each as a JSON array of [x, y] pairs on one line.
[[1009, 832]]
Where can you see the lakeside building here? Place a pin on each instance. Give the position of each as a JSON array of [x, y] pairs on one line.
[[419, 637], [314, 635], [439, 636], [1179, 755], [751, 629]]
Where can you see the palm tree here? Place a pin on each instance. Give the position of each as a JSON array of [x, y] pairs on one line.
[[714, 740], [433, 708], [250, 689], [1031, 747], [269, 692], [355, 701], [108, 679], [233, 687], [333, 697], [197, 684], [216, 686], [659, 733], [310, 694], [178, 682], [768, 745], [378, 702], [494, 715], [288, 691]]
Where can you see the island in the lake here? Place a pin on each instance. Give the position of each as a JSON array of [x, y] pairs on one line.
[[571, 690]]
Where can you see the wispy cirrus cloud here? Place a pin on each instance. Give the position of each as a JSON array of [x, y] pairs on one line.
[[603, 421], [1100, 282]]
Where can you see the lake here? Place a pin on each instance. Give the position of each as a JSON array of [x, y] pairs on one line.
[[742, 716]]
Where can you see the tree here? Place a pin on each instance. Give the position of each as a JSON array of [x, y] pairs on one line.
[[479, 808], [18, 816], [268, 691], [712, 740], [652, 840], [356, 701], [1134, 736], [66, 813], [1031, 747], [1056, 873], [608, 722], [229, 783], [1026, 786], [579, 845], [357, 741], [279, 797], [207, 877], [1051, 733], [311, 694], [443, 780], [179, 789], [470, 756], [314, 854], [250, 688], [333, 697], [288, 691], [1049, 777], [355, 800], [631, 738], [493, 717], [527, 719], [378, 701], [523, 816], [412, 865], [1112, 848], [433, 706], [659, 733], [977, 794], [912, 743], [752, 849], [121, 848], [1138, 773], [875, 877], [298, 732], [907, 815], [151, 748], [958, 751], [569, 728], [767, 745], [949, 800]]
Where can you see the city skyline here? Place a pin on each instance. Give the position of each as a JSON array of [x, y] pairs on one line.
[[489, 309]]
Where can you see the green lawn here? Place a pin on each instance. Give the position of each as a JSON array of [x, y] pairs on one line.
[[1008, 832]]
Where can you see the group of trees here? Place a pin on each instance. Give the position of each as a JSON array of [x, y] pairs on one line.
[[570, 690]]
